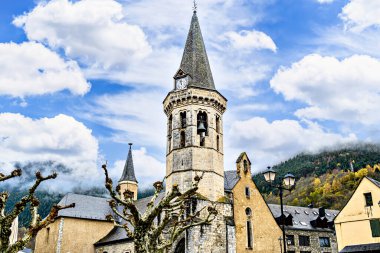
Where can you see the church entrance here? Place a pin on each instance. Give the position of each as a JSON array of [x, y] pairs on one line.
[[180, 247]]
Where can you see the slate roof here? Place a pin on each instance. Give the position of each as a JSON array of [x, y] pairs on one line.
[[86, 207], [302, 216], [230, 179], [372, 247], [194, 59], [129, 170], [377, 183]]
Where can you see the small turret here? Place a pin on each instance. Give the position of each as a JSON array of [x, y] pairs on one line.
[[128, 179]]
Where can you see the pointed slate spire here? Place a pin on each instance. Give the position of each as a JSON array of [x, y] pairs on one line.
[[129, 170], [194, 60]]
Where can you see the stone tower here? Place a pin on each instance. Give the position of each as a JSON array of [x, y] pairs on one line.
[[194, 109], [128, 180]]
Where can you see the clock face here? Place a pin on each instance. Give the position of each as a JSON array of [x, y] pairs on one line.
[[181, 83]]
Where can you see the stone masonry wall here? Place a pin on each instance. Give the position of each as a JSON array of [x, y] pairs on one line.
[[214, 238], [314, 242], [183, 162]]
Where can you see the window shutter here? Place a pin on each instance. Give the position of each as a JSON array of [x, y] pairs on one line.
[[375, 228]]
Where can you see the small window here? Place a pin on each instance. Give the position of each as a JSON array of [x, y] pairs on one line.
[[247, 192], [183, 119], [248, 211], [375, 227], [183, 139], [170, 125], [249, 234], [290, 240], [217, 124], [368, 199], [170, 144], [324, 241], [304, 240], [245, 166], [217, 143]]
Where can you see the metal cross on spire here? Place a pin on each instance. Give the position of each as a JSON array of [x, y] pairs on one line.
[[195, 6]]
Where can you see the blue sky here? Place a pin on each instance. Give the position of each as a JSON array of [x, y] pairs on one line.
[[81, 79]]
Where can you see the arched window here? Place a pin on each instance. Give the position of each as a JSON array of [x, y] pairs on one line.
[[217, 142], [249, 235], [248, 211], [183, 139], [170, 125], [245, 166], [202, 127], [217, 124], [183, 119]]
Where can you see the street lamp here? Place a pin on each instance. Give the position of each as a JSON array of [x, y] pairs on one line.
[[286, 183]]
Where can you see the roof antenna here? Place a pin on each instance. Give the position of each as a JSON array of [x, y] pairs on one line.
[[195, 7], [130, 145]]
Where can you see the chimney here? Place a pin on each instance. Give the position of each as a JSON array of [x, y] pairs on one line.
[[311, 205]]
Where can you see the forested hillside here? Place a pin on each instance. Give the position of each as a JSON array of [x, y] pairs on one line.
[[327, 178], [48, 199], [324, 179]]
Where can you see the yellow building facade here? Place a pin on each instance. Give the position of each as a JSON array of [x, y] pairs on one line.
[[256, 228], [358, 224]]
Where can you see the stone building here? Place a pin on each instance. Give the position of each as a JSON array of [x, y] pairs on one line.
[[194, 110], [358, 224], [308, 230]]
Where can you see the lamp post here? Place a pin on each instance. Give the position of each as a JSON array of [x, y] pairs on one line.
[[286, 183]]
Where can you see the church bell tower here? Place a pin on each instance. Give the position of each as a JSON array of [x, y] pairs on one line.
[[194, 109]]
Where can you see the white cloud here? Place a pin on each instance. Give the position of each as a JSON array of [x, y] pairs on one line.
[[106, 37], [345, 90], [92, 31], [61, 139], [268, 143], [32, 69], [325, 1], [251, 40], [361, 14], [135, 116], [147, 168]]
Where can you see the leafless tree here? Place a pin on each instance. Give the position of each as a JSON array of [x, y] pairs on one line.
[[164, 220], [36, 223]]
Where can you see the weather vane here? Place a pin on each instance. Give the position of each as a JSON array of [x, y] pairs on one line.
[[195, 6]]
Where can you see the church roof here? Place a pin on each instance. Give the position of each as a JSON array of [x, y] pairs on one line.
[[303, 216], [86, 207], [129, 170], [194, 60], [231, 177]]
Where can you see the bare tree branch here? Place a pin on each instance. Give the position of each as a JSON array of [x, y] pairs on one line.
[[36, 223], [163, 221]]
